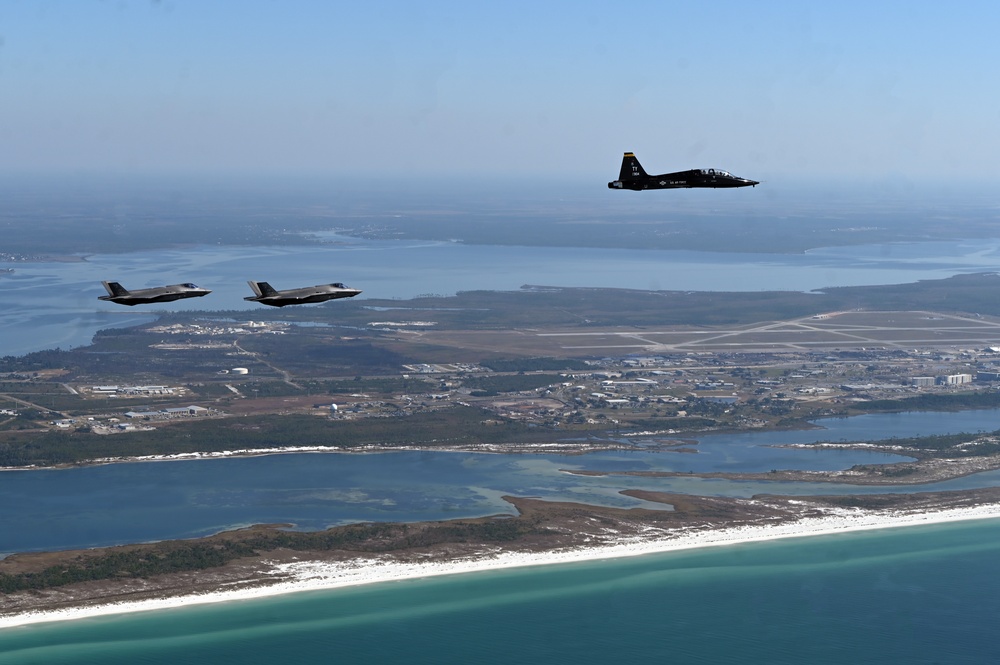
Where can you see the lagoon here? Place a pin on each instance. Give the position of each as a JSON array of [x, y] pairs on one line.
[[138, 502]]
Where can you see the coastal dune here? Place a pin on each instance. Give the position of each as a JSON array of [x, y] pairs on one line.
[[309, 575]]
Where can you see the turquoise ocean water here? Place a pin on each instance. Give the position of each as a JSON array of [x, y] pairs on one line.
[[913, 595]]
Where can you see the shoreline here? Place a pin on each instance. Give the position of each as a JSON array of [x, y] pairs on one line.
[[302, 576], [485, 448]]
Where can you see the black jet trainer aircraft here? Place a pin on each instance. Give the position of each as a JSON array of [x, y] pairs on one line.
[[634, 177]]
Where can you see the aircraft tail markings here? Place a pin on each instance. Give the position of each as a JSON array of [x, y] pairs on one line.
[[631, 168], [115, 289], [262, 289]]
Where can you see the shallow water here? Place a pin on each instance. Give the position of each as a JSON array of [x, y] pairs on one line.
[[122, 503], [926, 594]]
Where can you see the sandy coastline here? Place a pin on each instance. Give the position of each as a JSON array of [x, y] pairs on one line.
[[314, 575], [499, 448]]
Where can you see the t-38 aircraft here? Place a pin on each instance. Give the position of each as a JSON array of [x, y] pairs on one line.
[[634, 177]]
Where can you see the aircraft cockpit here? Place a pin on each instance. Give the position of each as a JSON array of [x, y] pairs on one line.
[[189, 285]]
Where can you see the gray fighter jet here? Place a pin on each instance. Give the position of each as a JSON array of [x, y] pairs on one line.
[[119, 294], [267, 295]]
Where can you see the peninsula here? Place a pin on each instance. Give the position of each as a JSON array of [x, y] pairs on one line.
[[539, 371]]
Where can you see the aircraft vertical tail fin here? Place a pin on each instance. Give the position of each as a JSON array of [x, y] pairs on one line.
[[262, 288], [631, 168], [115, 289]]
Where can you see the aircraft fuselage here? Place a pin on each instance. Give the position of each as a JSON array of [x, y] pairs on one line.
[[633, 177], [122, 296], [713, 178], [265, 294]]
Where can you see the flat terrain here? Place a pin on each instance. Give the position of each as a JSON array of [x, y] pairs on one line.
[[835, 330]]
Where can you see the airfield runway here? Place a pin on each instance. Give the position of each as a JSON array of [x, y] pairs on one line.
[[835, 330]]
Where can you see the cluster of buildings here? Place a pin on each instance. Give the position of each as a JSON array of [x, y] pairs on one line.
[[684, 384], [442, 368], [113, 424], [168, 412], [949, 379], [223, 328], [133, 391]]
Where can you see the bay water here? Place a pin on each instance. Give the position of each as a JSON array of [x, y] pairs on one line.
[[49, 509], [48, 305]]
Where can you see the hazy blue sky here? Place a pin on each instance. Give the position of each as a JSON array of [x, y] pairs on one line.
[[765, 89]]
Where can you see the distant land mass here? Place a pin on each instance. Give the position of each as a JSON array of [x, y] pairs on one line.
[[535, 305], [542, 370], [49, 217], [499, 370]]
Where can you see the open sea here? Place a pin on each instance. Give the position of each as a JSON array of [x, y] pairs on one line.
[[927, 594]]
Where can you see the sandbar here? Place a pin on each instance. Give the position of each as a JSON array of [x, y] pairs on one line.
[[298, 576]]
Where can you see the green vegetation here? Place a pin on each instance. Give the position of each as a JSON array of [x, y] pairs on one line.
[[534, 364], [577, 308], [487, 386], [321, 354], [931, 402], [689, 423], [39, 360], [386, 386], [129, 563], [143, 561], [32, 388], [126, 356], [210, 390], [962, 444], [453, 426], [256, 388], [866, 501]]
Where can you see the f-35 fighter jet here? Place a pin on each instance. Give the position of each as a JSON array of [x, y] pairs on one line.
[[119, 294], [266, 295], [634, 177]]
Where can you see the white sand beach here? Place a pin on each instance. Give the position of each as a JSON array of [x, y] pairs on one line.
[[314, 575]]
